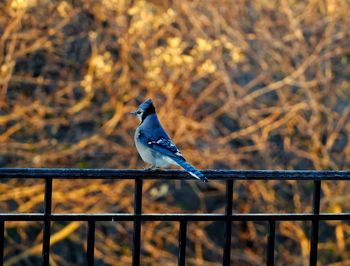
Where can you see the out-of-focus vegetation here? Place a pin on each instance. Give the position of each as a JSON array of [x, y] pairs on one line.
[[238, 84]]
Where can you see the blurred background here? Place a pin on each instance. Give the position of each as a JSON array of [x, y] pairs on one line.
[[238, 84]]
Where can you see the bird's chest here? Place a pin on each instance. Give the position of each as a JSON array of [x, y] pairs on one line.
[[144, 151]]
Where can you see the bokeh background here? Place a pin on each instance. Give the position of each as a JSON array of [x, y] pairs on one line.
[[238, 84]]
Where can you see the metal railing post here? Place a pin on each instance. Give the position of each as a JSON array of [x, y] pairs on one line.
[[270, 261], [2, 240], [228, 224], [90, 243], [182, 243], [47, 227], [315, 223], [137, 222]]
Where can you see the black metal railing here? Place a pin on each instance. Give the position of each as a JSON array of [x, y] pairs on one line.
[[137, 217]]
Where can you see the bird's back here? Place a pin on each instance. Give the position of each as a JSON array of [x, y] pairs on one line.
[[151, 128]]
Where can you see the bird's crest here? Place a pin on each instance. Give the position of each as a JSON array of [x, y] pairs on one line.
[[148, 108], [146, 104]]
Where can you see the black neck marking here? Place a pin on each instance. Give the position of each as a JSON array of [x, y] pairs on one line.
[[149, 110]]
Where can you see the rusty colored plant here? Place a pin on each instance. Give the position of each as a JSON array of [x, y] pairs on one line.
[[238, 85]]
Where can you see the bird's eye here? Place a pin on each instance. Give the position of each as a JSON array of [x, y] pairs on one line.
[[138, 112]]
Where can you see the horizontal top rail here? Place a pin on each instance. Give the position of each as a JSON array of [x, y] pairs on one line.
[[173, 217], [74, 173]]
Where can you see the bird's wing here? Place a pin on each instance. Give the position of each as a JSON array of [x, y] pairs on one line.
[[162, 145], [166, 147]]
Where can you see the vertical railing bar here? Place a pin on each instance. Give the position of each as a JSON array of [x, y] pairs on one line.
[[2, 241], [271, 243], [228, 226], [137, 222], [90, 243], [315, 223], [47, 229], [182, 243]]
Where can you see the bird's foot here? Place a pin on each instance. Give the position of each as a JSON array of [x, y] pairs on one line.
[[152, 168]]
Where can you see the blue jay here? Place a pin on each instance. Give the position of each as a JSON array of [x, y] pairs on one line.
[[155, 146]]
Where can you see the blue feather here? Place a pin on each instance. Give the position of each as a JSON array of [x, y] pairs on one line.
[[166, 147], [190, 169], [151, 135]]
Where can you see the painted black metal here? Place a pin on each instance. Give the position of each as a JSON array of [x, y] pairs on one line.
[[207, 217], [315, 223], [65, 173], [137, 222], [137, 217], [90, 243], [270, 261], [47, 226], [228, 226], [182, 243], [2, 231]]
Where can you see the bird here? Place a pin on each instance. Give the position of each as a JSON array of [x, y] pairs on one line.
[[154, 144]]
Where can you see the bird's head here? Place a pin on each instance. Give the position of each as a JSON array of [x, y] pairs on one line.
[[145, 109]]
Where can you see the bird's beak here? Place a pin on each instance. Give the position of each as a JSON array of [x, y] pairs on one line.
[[132, 113]]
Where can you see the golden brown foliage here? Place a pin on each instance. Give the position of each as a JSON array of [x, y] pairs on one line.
[[238, 85]]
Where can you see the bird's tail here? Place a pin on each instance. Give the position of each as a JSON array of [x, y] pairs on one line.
[[191, 170]]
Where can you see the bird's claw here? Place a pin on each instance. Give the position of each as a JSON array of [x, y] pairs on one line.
[[152, 168]]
